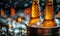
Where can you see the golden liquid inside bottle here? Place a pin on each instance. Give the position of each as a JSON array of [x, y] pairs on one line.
[[48, 15], [35, 13]]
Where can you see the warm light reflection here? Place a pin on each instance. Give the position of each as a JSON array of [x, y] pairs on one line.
[[35, 13], [48, 24], [12, 11], [48, 16], [2, 12], [19, 19], [49, 13], [33, 21], [58, 15], [10, 26]]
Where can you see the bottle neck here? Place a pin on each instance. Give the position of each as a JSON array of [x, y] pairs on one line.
[[35, 10], [49, 11]]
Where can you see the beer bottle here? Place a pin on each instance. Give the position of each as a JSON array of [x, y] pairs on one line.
[[48, 15], [35, 14]]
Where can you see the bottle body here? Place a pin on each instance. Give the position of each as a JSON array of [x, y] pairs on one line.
[[48, 15], [35, 14]]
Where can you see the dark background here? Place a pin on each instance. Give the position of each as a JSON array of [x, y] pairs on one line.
[[22, 4]]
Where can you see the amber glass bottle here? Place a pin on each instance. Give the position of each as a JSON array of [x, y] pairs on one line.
[[35, 14], [48, 15], [49, 26], [34, 22]]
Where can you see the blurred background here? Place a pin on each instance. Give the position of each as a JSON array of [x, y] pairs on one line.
[[15, 14]]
